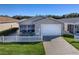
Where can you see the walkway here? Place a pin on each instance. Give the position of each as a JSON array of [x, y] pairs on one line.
[[58, 46]]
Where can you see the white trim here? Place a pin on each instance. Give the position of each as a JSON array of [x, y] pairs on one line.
[[71, 23]]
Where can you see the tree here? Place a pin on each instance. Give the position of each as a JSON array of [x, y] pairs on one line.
[[71, 15], [21, 17], [55, 16]]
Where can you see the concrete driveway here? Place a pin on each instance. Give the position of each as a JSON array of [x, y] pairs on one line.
[[58, 46]]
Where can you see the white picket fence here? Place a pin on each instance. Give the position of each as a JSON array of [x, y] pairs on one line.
[[21, 38]]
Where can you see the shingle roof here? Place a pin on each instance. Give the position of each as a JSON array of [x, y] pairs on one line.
[[48, 21], [31, 20], [69, 20], [7, 20], [40, 19]]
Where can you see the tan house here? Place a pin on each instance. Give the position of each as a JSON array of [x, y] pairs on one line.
[[7, 23]]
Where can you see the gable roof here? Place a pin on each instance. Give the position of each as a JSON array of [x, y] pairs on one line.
[[48, 21], [69, 20], [40, 20], [7, 20], [31, 20]]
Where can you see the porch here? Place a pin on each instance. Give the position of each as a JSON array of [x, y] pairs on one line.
[[73, 29], [28, 30]]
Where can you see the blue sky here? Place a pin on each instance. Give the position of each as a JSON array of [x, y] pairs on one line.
[[38, 9]]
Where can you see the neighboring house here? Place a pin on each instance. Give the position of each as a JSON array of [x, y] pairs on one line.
[[41, 26], [7, 23], [71, 25]]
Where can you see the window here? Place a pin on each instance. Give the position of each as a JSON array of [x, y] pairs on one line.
[[27, 28], [31, 28], [71, 28], [23, 28]]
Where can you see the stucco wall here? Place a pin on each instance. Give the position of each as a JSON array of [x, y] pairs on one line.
[[6, 26]]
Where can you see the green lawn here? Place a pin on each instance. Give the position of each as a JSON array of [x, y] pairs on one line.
[[71, 40], [22, 48]]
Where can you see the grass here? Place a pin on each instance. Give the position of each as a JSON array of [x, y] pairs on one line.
[[71, 40], [22, 49]]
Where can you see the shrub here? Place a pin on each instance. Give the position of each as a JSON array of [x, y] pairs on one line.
[[69, 36], [8, 32]]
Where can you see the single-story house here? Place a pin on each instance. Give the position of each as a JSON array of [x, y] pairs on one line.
[[41, 26], [71, 25], [7, 23], [49, 26]]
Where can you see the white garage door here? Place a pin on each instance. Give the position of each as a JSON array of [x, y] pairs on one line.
[[51, 29]]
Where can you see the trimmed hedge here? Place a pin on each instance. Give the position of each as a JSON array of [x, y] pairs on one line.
[[8, 32], [69, 36]]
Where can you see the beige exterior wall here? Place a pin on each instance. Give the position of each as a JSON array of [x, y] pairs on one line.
[[6, 26]]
